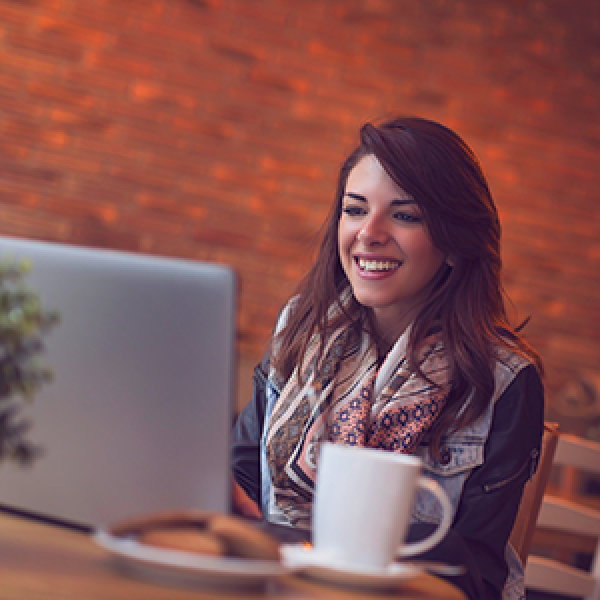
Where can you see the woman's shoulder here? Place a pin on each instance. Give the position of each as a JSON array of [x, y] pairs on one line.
[[519, 397], [509, 365]]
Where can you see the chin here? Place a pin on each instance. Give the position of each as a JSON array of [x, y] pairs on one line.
[[369, 301]]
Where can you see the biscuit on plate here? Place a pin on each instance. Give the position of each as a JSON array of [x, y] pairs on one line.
[[186, 539], [243, 539]]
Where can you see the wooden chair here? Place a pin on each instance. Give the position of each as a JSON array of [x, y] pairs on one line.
[[524, 527], [573, 520]]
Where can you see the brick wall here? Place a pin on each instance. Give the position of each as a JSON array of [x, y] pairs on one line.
[[213, 130]]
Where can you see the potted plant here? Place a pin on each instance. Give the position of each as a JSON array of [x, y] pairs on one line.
[[23, 323]]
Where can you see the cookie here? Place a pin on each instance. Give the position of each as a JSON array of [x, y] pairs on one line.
[[163, 520], [243, 539], [186, 539]]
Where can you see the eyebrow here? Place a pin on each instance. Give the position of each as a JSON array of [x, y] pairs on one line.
[[396, 202]]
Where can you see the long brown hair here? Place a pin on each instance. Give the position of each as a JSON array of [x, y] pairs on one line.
[[435, 167]]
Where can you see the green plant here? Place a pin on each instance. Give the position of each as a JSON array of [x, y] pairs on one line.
[[23, 323]]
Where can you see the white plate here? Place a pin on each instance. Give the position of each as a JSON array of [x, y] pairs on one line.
[[174, 566], [306, 561]]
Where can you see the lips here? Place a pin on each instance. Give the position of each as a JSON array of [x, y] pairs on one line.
[[377, 266]]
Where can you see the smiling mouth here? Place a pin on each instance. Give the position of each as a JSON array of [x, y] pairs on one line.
[[377, 265]]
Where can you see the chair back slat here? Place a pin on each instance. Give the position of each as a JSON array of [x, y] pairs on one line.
[[577, 452], [567, 525]]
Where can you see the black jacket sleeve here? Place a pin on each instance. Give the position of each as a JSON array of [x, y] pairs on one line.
[[492, 493], [246, 434]]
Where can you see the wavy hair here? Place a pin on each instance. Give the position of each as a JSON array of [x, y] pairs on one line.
[[441, 173]]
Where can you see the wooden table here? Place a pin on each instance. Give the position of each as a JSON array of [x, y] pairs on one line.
[[43, 562]]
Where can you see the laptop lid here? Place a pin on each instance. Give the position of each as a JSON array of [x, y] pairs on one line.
[[138, 415]]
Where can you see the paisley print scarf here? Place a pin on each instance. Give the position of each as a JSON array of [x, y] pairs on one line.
[[349, 400]]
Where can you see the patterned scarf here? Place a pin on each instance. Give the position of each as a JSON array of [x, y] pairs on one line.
[[349, 400]]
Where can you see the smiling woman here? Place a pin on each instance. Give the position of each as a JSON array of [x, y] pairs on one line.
[[385, 248], [398, 339]]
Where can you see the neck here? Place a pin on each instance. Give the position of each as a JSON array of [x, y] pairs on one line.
[[388, 330], [390, 327]]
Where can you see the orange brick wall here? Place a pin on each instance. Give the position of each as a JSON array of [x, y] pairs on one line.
[[213, 130]]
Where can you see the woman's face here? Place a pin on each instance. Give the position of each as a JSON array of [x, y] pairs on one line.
[[384, 245]]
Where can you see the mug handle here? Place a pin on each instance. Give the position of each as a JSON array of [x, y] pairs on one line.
[[436, 536]]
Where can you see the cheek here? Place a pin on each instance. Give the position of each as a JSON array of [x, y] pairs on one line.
[[344, 239], [344, 243], [421, 248]]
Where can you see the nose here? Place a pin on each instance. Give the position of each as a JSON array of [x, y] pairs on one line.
[[373, 231]]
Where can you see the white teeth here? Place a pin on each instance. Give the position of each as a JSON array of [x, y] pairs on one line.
[[377, 265]]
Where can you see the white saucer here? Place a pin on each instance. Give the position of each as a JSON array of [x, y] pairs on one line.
[[306, 561], [174, 566]]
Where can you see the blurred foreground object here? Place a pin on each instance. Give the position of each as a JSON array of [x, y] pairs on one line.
[[23, 323]]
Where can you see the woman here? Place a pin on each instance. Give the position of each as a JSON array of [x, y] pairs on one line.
[[398, 338]]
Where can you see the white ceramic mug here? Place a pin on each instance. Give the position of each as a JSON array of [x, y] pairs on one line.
[[362, 504]]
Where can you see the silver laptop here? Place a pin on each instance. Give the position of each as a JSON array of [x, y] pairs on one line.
[[138, 416]]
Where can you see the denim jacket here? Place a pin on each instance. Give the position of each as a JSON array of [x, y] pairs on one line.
[[464, 451], [483, 468]]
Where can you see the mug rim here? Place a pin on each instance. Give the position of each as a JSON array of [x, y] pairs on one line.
[[382, 453]]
